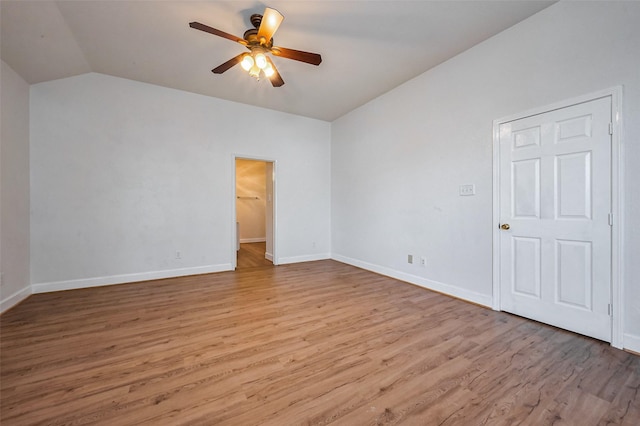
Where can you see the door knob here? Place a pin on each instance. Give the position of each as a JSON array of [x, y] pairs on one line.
[[505, 226]]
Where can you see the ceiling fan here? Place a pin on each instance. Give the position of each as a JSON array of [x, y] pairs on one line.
[[259, 41]]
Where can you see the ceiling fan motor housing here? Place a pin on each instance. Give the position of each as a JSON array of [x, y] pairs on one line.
[[251, 36]]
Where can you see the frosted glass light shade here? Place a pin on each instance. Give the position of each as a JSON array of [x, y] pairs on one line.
[[254, 71], [261, 60], [268, 70], [247, 62]]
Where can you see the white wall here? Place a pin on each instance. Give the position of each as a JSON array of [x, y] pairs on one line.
[[14, 188], [251, 200], [126, 174], [397, 162]]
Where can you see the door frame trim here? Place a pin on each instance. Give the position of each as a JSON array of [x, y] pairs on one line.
[[617, 201], [234, 157]]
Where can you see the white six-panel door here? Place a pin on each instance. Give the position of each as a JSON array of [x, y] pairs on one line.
[[555, 204]]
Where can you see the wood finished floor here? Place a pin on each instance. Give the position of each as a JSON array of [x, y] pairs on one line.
[[313, 343], [251, 255]]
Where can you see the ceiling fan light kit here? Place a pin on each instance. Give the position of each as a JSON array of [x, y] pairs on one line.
[[259, 41]]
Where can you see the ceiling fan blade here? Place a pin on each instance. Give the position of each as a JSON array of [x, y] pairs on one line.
[[271, 20], [231, 62], [297, 55], [276, 79], [210, 30]]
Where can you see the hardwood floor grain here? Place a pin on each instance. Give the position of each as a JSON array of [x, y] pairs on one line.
[[312, 344], [251, 255]]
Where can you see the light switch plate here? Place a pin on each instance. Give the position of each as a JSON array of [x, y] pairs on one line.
[[469, 189]]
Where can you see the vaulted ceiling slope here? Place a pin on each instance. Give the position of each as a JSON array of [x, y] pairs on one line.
[[368, 47]]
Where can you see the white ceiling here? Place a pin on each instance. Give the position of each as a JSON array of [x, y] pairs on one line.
[[368, 47]]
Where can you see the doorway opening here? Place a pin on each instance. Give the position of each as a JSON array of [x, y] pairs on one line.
[[254, 213]]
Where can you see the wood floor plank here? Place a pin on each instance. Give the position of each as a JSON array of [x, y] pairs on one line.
[[313, 343], [252, 255], [626, 405]]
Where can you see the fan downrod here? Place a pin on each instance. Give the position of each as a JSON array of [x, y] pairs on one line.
[[256, 20]]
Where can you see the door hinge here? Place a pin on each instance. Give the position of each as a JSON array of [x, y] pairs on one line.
[[609, 309], [611, 128], [610, 217]]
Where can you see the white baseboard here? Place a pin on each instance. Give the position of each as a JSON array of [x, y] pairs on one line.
[[252, 240], [127, 278], [12, 300], [305, 258], [448, 289], [269, 256], [631, 342]]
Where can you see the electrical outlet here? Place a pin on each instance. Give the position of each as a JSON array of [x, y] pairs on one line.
[[467, 190], [178, 255], [410, 258], [423, 261]]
